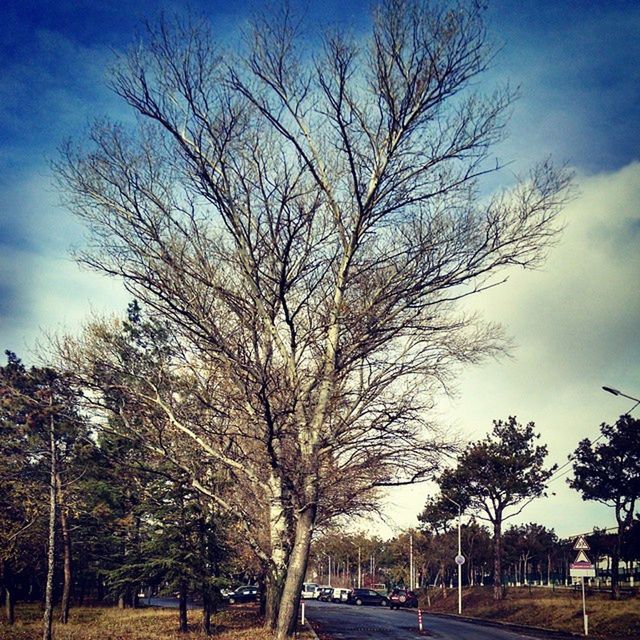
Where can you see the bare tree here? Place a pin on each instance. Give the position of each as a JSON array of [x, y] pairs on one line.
[[308, 224]]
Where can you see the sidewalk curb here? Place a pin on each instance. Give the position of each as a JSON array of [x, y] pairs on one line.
[[549, 633], [307, 633]]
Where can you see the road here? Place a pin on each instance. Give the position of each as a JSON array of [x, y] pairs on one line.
[[167, 603], [348, 622]]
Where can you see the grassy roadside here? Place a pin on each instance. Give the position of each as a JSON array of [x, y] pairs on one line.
[[542, 607], [240, 622]]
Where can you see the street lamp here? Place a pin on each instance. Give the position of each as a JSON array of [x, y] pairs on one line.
[[617, 392], [459, 557]]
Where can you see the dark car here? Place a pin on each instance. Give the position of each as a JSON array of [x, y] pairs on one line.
[[367, 596], [244, 594], [325, 594], [402, 598]]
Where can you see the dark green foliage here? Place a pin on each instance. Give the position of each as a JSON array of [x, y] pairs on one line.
[[43, 442], [134, 519], [528, 551], [501, 471], [495, 479], [609, 472]]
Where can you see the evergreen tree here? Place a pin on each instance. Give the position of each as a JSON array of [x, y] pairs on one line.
[[496, 478], [609, 472]]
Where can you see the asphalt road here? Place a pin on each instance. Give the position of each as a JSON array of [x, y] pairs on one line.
[[167, 603], [349, 622]]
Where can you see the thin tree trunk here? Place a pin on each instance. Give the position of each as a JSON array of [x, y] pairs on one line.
[[205, 589], [207, 609], [615, 566], [184, 626], [51, 557], [498, 592], [80, 592], [66, 546], [290, 601], [100, 590], [9, 605], [9, 601]]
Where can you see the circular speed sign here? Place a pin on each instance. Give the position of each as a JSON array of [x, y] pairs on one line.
[[460, 560]]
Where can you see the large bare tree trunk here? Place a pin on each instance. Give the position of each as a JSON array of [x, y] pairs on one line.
[[280, 538], [66, 546], [274, 586], [51, 556], [498, 591], [290, 601]]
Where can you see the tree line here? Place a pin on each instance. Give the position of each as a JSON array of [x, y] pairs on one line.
[[112, 517], [493, 480], [532, 555]]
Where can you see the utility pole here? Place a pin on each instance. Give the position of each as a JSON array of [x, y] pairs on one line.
[[359, 569], [411, 561], [460, 559], [459, 562]]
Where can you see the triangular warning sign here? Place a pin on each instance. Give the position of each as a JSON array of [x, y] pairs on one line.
[[581, 557], [581, 544]]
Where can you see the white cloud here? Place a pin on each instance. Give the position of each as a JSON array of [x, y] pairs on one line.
[[42, 288], [575, 325]]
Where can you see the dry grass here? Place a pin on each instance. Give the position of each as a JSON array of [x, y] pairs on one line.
[[541, 607], [103, 623]]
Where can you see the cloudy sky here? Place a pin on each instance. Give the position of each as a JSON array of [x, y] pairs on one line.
[[575, 323]]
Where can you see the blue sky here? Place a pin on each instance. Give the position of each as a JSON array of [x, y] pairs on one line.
[[577, 64]]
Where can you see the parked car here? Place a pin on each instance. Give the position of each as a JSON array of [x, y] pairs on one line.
[[340, 594], [325, 593], [309, 590], [402, 598], [248, 593], [367, 596]]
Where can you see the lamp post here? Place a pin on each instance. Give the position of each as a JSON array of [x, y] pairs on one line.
[[459, 557]]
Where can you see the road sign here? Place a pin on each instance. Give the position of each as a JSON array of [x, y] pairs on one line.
[[582, 557], [582, 570], [460, 560], [581, 544]]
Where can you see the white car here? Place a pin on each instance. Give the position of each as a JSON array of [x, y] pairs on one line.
[[310, 590], [340, 594]]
